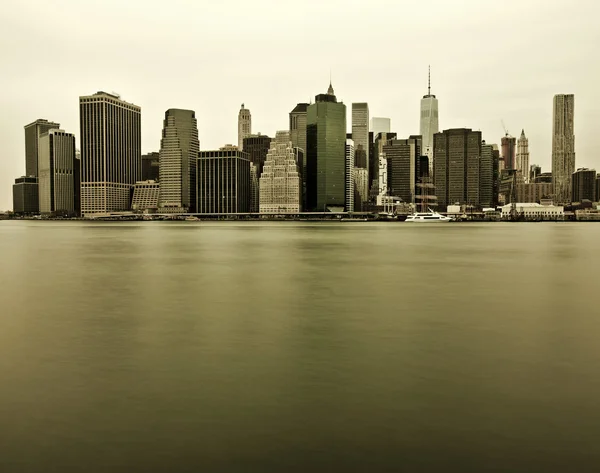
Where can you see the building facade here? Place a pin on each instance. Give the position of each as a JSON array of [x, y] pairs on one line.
[[456, 163], [380, 125], [179, 148], [429, 120], [111, 158], [254, 189], [583, 185], [349, 175], [326, 153], [145, 196], [598, 188], [361, 188], [360, 134], [486, 176], [280, 184], [509, 147], [298, 137], [33, 131], [223, 182], [534, 171], [403, 166], [532, 192], [58, 181], [523, 156], [244, 126], [25, 196], [563, 146], [151, 166], [257, 147]]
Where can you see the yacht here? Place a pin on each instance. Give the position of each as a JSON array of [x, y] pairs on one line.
[[428, 217], [191, 218]]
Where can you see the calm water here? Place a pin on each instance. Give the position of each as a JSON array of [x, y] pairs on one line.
[[189, 347]]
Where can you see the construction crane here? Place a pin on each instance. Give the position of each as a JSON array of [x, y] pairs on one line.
[[506, 133]]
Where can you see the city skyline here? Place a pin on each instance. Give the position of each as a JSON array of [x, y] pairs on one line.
[[473, 92]]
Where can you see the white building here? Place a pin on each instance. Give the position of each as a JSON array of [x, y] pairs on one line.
[[244, 126], [523, 156], [361, 186], [380, 125], [145, 196], [280, 185], [429, 123], [382, 181], [535, 211], [349, 176]]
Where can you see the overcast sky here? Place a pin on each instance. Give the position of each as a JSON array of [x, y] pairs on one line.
[[491, 61]]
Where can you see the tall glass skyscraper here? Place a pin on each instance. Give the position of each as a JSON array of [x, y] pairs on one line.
[[178, 156], [563, 146], [429, 123], [326, 151], [360, 134], [33, 131]]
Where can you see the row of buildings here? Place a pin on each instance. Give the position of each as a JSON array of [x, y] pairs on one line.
[[314, 165]]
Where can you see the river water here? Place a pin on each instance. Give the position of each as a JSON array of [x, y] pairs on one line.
[[292, 347]]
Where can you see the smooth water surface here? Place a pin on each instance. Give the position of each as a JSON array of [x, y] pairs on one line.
[[290, 347]]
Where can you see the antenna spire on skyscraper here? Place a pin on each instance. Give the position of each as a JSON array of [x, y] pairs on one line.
[[429, 81]]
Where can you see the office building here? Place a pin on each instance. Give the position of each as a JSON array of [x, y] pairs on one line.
[[486, 176], [280, 184], [583, 185], [456, 163], [150, 166], [58, 181], [244, 126], [532, 192], [361, 188], [380, 125], [33, 131], [379, 141], [257, 147], [497, 173], [146, 195], [254, 189], [179, 148], [544, 177], [349, 175], [223, 182], [534, 171], [429, 121], [403, 163], [298, 137], [523, 156], [326, 153], [25, 196], [360, 134], [111, 158], [563, 146], [509, 147]]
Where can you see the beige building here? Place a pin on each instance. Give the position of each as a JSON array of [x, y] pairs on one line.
[[361, 187], [111, 156], [145, 196], [523, 157], [533, 192], [563, 146], [280, 186], [244, 126]]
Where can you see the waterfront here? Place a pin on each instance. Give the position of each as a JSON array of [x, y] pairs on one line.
[[296, 347]]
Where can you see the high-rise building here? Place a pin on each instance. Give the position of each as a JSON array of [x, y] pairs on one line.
[[360, 134], [534, 171], [456, 163], [523, 156], [379, 141], [111, 158], [429, 121], [179, 148], [150, 166], [33, 131], [544, 177], [486, 176], [254, 189], [223, 182], [563, 146], [25, 196], [298, 137], [533, 191], [403, 162], [497, 173], [509, 146], [280, 185], [380, 125], [244, 126], [583, 185], [349, 175], [58, 180], [361, 188], [598, 188], [257, 147], [146, 195], [326, 143]]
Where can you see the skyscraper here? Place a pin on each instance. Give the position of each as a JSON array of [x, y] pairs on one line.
[[326, 143], [361, 188], [563, 146], [486, 175], [380, 125], [257, 147], [150, 166], [244, 126], [280, 185], [33, 131], [402, 167], [456, 163], [179, 148], [584, 185], [254, 189], [298, 137], [25, 196], [349, 175], [379, 141], [523, 156], [111, 158], [223, 182], [509, 145], [360, 134], [58, 173], [429, 122]]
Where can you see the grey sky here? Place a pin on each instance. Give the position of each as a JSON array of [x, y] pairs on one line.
[[490, 61]]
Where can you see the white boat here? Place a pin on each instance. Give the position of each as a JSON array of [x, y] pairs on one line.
[[191, 218], [428, 217]]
